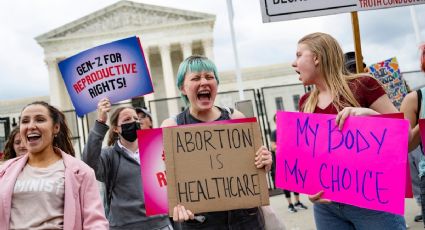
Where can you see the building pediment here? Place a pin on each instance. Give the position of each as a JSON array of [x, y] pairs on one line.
[[125, 15]]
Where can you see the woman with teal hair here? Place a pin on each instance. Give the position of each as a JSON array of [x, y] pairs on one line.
[[198, 81]]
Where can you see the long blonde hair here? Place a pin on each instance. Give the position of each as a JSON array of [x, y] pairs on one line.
[[331, 66]]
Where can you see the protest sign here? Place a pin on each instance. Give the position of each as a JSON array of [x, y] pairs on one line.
[[152, 161], [211, 168], [116, 70], [281, 10], [364, 164], [152, 166], [388, 73], [409, 188]]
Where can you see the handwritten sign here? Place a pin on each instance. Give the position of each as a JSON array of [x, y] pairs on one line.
[[388, 73], [211, 168], [363, 164], [115, 70], [152, 161], [409, 189], [281, 10]]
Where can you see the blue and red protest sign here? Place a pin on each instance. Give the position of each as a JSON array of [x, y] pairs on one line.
[[116, 70]]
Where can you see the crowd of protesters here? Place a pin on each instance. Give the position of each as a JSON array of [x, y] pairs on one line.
[[40, 151]]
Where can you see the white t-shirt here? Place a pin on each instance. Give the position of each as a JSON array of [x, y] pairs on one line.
[[38, 198]]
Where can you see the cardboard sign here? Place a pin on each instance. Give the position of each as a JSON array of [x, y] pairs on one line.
[[115, 70], [388, 73], [211, 168], [152, 161], [364, 164]]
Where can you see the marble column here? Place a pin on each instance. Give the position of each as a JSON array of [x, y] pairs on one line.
[[56, 97], [146, 52], [169, 82], [151, 96], [208, 48], [186, 49]]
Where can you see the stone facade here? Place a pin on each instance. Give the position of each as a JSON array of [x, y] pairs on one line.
[[167, 35]]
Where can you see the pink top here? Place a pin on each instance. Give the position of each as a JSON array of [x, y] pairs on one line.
[[83, 208]]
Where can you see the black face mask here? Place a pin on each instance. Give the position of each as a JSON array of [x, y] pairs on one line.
[[129, 131]]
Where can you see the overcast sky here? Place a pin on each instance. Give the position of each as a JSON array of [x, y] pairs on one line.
[[384, 33]]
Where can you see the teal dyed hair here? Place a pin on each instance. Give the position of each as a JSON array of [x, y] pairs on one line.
[[194, 64]]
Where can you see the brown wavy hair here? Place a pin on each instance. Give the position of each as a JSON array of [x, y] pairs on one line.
[[9, 151], [113, 136], [62, 139]]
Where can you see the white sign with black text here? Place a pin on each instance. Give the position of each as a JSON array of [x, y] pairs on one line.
[[282, 10]]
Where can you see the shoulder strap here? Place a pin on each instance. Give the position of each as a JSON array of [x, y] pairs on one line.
[[419, 92], [181, 118], [420, 113], [421, 109], [229, 110]]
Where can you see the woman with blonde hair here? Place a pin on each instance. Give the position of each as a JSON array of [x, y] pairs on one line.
[[320, 62]]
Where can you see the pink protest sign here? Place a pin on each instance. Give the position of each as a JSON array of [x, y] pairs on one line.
[[152, 164], [409, 189], [364, 164]]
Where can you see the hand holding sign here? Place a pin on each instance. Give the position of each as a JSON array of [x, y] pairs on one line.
[[352, 111], [263, 158], [317, 198], [116, 70], [103, 107], [153, 173], [180, 214], [210, 168], [362, 164]]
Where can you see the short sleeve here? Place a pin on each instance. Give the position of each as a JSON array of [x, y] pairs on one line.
[[368, 91], [302, 101]]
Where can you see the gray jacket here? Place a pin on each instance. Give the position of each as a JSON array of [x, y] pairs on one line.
[[127, 208]]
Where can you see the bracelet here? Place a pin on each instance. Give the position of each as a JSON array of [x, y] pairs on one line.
[[101, 121]]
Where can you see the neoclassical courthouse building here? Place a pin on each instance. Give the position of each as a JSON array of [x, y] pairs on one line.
[[167, 35]]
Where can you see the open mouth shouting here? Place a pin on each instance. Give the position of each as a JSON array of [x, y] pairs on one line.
[[204, 96]]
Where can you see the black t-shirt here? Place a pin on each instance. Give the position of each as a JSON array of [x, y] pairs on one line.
[[185, 117], [273, 136]]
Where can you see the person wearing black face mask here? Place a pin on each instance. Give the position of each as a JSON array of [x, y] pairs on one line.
[[129, 131], [118, 166]]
